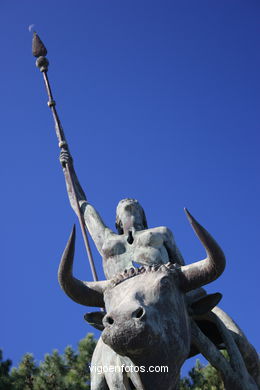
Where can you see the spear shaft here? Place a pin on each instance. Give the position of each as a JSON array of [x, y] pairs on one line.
[[42, 63]]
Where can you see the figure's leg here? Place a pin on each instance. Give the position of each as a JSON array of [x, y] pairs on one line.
[[122, 375], [114, 372], [234, 372], [247, 351], [98, 382]]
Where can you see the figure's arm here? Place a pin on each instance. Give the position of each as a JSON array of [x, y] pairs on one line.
[[172, 249], [93, 221], [65, 158], [95, 225]]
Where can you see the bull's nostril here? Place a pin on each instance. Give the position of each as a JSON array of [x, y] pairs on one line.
[[110, 320], [139, 313]]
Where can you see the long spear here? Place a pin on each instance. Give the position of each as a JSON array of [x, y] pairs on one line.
[[40, 52]]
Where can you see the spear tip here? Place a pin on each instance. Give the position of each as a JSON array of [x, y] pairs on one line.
[[38, 48]]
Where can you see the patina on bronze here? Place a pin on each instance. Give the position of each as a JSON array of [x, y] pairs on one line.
[[158, 313], [155, 317], [40, 51]]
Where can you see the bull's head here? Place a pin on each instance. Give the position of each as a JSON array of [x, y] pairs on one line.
[[146, 311], [145, 305]]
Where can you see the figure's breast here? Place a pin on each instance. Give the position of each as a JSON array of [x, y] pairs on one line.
[[149, 247], [113, 247], [116, 257], [150, 238]]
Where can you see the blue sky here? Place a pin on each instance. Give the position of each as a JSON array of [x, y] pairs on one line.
[[160, 101]]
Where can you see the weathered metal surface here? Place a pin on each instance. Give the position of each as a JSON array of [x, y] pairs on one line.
[[40, 51], [157, 314], [38, 48], [152, 320]]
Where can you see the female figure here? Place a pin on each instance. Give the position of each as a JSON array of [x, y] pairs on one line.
[[134, 242]]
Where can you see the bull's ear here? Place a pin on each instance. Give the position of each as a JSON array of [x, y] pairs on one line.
[[95, 319], [205, 304]]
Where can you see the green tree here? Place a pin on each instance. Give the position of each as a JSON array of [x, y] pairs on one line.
[[70, 371], [202, 378], [23, 376], [5, 365]]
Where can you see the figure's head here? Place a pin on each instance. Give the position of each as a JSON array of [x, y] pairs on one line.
[[130, 214]]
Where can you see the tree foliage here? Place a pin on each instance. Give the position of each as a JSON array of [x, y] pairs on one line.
[[4, 373], [70, 371], [202, 378], [67, 371]]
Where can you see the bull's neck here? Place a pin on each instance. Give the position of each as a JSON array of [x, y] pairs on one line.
[[166, 378]]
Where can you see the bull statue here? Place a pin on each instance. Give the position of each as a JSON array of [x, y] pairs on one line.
[[160, 315]]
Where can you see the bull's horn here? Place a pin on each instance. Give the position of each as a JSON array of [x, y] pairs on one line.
[[205, 271], [85, 293]]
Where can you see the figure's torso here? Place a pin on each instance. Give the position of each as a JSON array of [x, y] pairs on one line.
[[147, 248]]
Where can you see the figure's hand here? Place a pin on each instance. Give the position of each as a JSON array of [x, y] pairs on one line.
[[65, 158]]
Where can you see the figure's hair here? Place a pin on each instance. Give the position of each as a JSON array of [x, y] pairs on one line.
[[129, 201]]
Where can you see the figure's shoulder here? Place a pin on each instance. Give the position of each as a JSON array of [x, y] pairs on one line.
[[160, 230], [109, 234], [154, 236]]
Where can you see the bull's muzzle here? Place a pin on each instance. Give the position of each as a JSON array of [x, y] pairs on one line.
[[113, 318], [124, 332]]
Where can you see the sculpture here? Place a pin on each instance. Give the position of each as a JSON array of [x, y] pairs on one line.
[[134, 241], [150, 320], [154, 247], [157, 313]]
